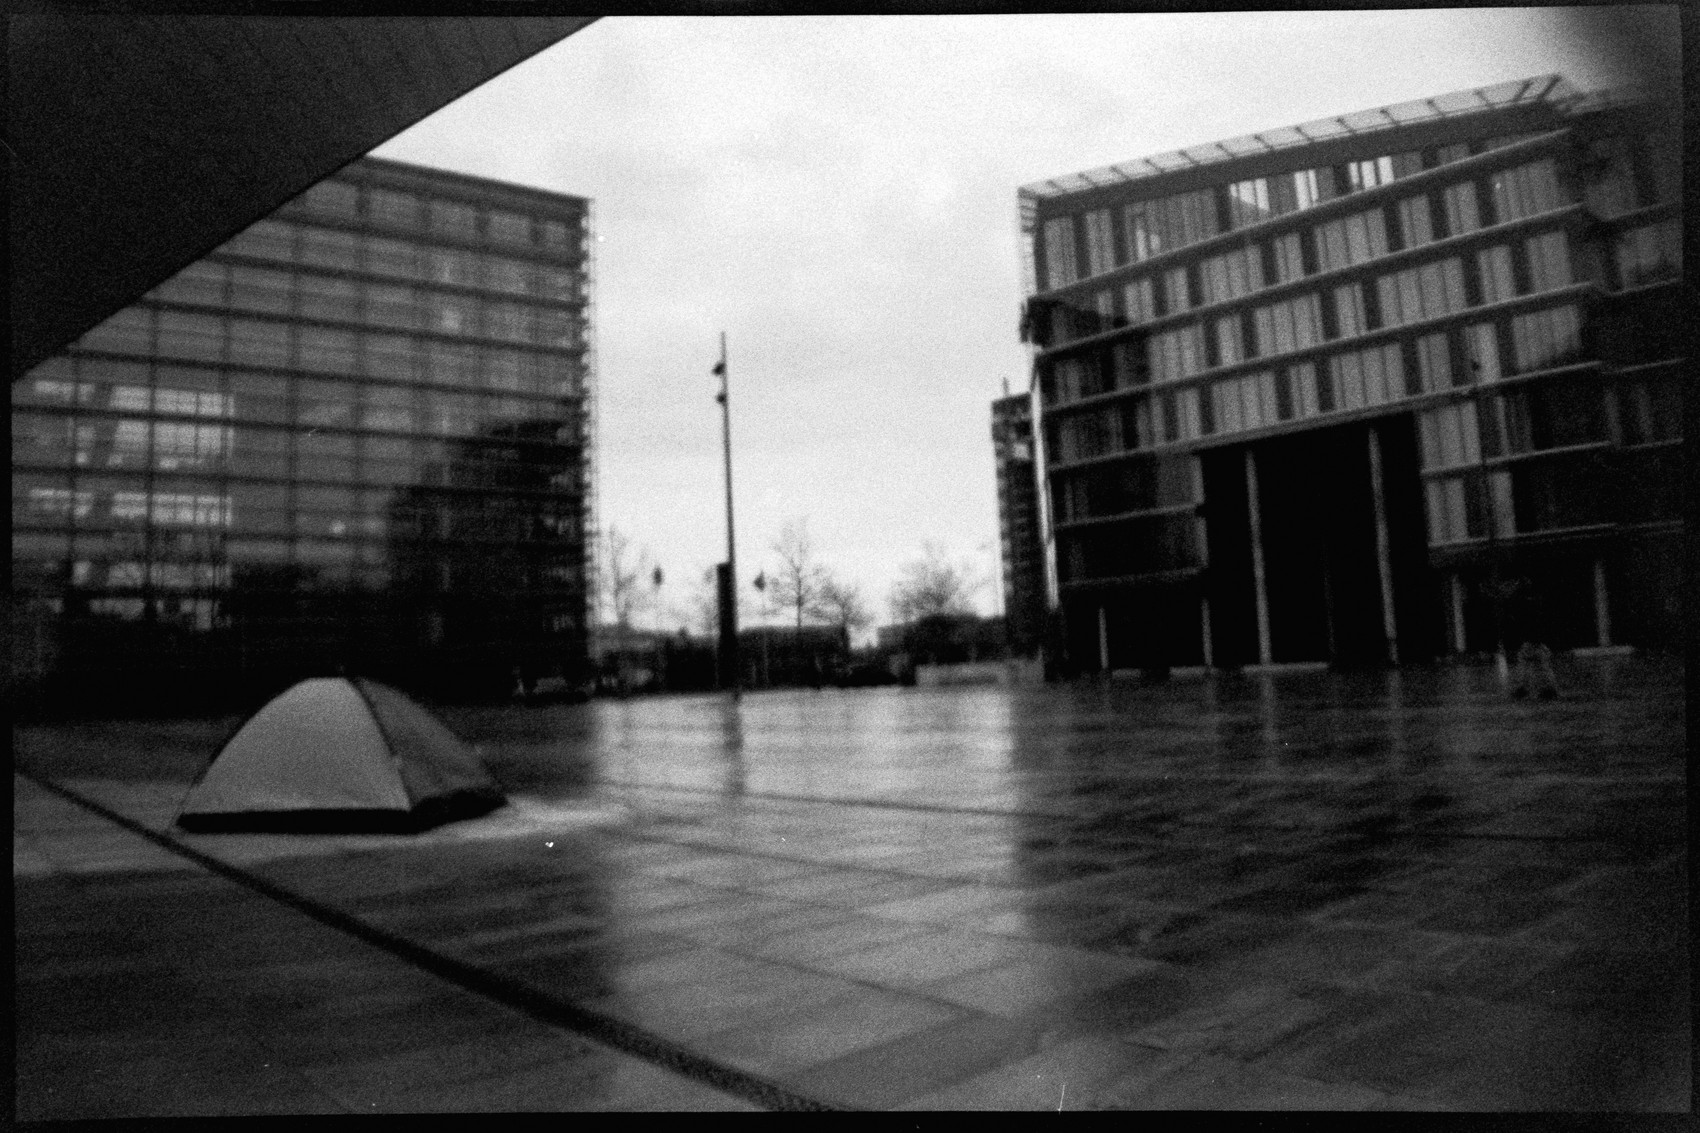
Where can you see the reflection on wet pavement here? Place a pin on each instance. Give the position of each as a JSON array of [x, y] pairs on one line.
[[1313, 890]]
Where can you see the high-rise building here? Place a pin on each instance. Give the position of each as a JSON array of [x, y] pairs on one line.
[[359, 435], [1021, 549], [1395, 385]]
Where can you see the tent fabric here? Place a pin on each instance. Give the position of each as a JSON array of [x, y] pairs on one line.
[[343, 754]]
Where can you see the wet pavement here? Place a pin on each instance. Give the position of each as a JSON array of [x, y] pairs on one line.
[[1291, 890]]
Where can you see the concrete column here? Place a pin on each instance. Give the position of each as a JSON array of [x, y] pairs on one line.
[[1456, 582], [1383, 550], [1260, 587], [1103, 641], [1602, 607], [1204, 626]]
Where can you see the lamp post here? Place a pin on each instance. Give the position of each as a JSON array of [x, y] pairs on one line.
[[732, 669]]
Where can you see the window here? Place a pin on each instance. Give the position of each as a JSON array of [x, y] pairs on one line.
[[333, 198], [1289, 258], [509, 228], [453, 266], [1154, 227], [260, 289], [1230, 341], [1497, 283], [1349, 310], [1419, 293], [1177, 353], [1549, 261], [390, 356], [1245, 402], [391, 257], [1434, 363], [260, 397], [1100, 245], [1290, 325], [1449, 437], [1306, 192], [453, 220], [1369, 173], [256, 342], [328, 297], [1129, 365], [327, 350], [1231, 275], [450, 364], [1545, 338], [1459, 204], [325, 456], [450, 314], [1248, 202], [1367, 377], [1304, 390], [1069, 380], [388, 408], [1186, 405], [330, 248], [266, 240], [1104, 307], [1649, 254], [1176, 291], [1481, 354], [1140, 300], [386, 206], [129, 332], [183, 334], [557, 329], [1415, 227], [391, 306], [1352, 240], [1650, 410], [201, 284], [512, 276], [1527, 190], [1060, 265]]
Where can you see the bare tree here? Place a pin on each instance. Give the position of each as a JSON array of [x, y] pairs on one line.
[[799, 580], [932, 585], [625, 578], [841, 603]]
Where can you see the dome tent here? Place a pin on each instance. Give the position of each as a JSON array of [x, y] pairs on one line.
[[339, 754]]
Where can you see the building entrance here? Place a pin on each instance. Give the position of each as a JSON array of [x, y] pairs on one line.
[[1310, 587]]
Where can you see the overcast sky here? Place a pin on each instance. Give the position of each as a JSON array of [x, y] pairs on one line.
[[838, 195]]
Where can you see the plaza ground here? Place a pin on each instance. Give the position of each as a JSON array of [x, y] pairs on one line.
[[1395, 890]]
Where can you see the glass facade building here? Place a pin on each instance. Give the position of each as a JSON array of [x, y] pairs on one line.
[[357, 435], [1392, 385], [1021, 549]]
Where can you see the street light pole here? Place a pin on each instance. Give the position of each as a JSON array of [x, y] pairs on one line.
[[729, 623]]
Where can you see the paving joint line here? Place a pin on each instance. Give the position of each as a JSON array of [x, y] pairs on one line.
[[603, 1028]]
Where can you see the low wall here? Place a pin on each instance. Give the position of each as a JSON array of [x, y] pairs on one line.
[[1018, 672]]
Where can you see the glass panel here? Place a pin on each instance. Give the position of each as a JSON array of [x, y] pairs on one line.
[[129, 332], [327, 297], [183, 334], [331, 248], [509, 228], [266, 240], [386, 206], [449, 218], [333, 198], [327, 350]]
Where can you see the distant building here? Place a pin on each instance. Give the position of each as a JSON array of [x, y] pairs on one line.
[[1020, 532], [1373, 389], [792, 655], [357, 435]]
